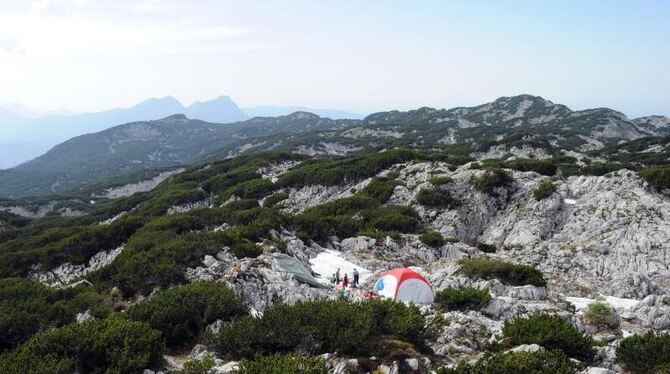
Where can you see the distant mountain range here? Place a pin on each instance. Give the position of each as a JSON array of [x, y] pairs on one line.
[[24, 134], [527, 125], [35, 136], [171, 141]]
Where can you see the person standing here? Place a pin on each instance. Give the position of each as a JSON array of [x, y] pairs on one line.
[[337, 276], [356, 276], [345, 282]]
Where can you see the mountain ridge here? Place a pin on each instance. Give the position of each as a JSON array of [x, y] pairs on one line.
[[519, 122]]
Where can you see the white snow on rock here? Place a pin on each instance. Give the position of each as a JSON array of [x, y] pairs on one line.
[[618, 303], [326, 264]]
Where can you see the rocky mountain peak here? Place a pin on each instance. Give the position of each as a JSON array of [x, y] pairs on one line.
[[219, 110], [174, 118], [659, 125], [300, 115]]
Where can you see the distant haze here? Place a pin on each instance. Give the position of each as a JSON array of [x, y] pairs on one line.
[[355, 56], [24, 134]]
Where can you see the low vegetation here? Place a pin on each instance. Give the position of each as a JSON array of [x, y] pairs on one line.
[[338, 171], [544, 190], [432, 238], [323, 326], [285, 363], [113, 345], [551, 332], [491, 180], [440, 180], [181, 313], [275, 199], [463, 298], [197, 366], [353, 215], [436, 198], [379, 189], [28, 307], [602, 314], [648, 353], [657, 176], [39, 333], [508, 273], [598, 169], [540, 362], [487, 248]]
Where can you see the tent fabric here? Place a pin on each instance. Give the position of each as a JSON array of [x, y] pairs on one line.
[[293, 266], [403, 284]]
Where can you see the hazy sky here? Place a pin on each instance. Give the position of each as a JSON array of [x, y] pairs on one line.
[[363, 56]]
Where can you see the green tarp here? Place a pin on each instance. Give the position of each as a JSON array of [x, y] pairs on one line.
[[293, 266]]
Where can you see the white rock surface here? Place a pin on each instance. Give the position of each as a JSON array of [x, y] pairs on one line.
[[67, 273]]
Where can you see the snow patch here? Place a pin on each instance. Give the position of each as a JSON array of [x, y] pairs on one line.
[[618, 303], [326, 264]]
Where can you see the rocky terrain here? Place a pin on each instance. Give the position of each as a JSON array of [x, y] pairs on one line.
[[212, 262], [520, 125]]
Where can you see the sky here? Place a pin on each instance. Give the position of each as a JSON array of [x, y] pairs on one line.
[[361, 56]]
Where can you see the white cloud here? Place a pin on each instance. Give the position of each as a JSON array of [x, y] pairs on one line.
[[57, 6], [52, 28]]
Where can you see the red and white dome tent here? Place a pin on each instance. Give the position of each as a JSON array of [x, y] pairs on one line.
[[404, 284]]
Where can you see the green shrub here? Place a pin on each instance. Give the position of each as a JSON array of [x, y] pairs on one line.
[[487, 248], [222, 182], [491, 180], [441, 180], [280, 364], [551, 332], [352, 216], [436, 197], [596, 168], [544, 190], [432, 238], [508, 273], [250, 189], [657, 176], [602, 314], [274, 199], [198, 366], [159, 258], [540, 362], [544, 167], [111, 346], [349, 169], [379, 189], [182, 313], [462, 298], [27, 307], [646, 353], [322, 326]]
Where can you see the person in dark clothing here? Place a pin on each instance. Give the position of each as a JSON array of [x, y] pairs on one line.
[[337, 276], [356, 276], [345, 282]]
